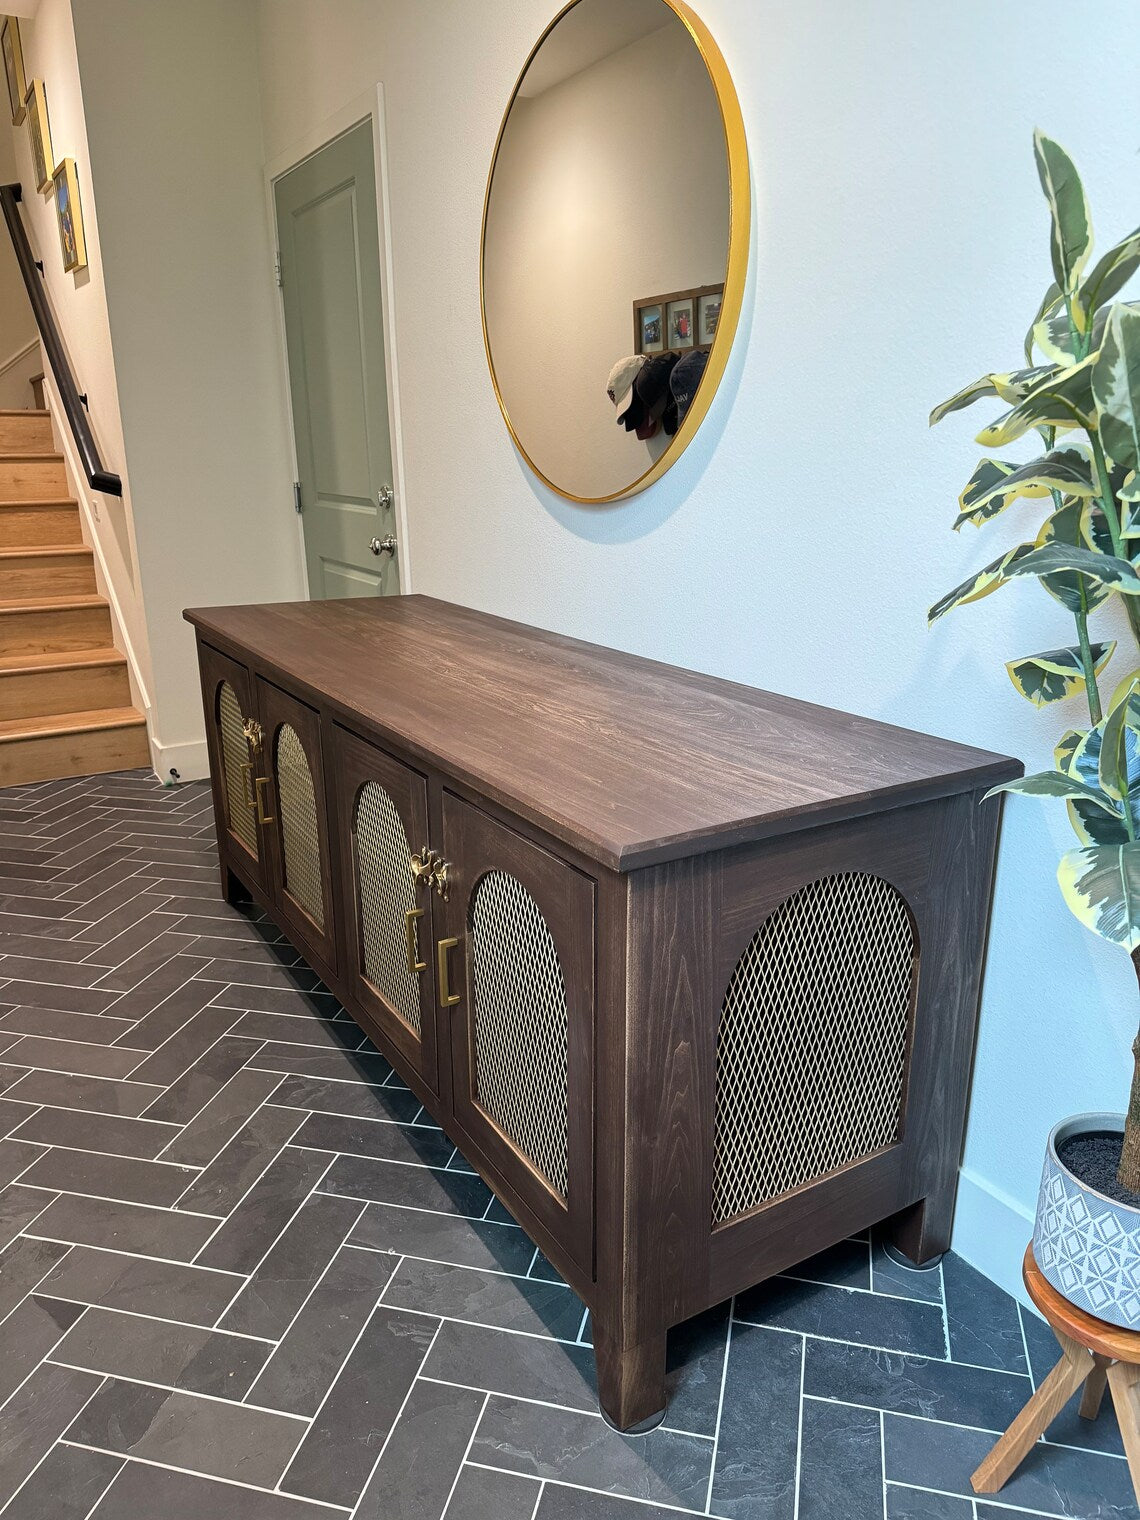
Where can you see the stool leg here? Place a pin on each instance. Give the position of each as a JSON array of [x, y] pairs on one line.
[[1043, 1408], [1123, 1378], [1094, 1389]]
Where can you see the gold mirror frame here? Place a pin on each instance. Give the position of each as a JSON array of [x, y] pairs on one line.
[[739, 225]]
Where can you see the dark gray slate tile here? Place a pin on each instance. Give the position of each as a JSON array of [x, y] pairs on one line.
[[98, 1132], [210, 1436], [19, 1207], [581, 1504], [155, 1351], [125, 1227], [339, 1034], [444, 1237], [141, 1491], [13, 1114], [309, 1061], [934, 1390], [28, 1334], [231, 1175], [294, 978], [756, 1479], [122, 1177], [303, 1366], [413, 1187], [695, 1369], [66, 1484], [481, 1494], [335, 1459], [143, 950], [865, 1318], [25, 994], [72, 1055], [357, 1100], [172, 1060], [97, 1095], [264, 1212], [171, 1012], [582, 1449], [200, 1082], [31, 1424], [888, 1276], [223, 1116], [293, 1266], [917, 1504], [23, 1264], [16, 1158], [1078, 1485], [982, 1320], [165, 1289], [420, 1463], [416, 1145], [488, 1298], [248, 996], [514, 1365], [846, 1265], [841, 1466], [93, 1028]]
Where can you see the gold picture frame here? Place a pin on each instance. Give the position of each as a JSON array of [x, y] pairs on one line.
[[14, 67], [39, 129], [69, 214]]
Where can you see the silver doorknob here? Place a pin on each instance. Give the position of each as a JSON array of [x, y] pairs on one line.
[[383, 545], [385, 496]]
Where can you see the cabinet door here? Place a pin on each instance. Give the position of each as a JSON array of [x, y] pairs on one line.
[[297, 837], [227, 698], [522, 1033], [382, 819]]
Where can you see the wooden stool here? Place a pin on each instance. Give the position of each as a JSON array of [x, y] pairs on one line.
[[1093, 1353]]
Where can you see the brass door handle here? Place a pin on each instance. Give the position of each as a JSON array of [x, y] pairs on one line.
[[246, 794], [415, 965], [262, 815], [446, 997]]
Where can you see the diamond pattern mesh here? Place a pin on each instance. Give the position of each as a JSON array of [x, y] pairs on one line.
[[298, 807], [387, 892], [235, 754], [520, 1023], [811, 1053]]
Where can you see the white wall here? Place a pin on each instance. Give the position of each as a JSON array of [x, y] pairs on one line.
[[176, 161], [17, 325], [900, 249]]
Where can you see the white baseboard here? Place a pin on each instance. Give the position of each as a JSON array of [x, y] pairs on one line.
[[191, 760], [991, 1231]]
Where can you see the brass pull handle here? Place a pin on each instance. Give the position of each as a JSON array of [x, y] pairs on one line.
[[246, 794], [446, 997], [262, 815], [415, 965]]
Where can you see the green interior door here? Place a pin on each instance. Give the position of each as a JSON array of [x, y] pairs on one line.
[[330, 275]]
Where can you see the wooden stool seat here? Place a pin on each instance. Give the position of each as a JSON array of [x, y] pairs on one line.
[[1093, 1353]]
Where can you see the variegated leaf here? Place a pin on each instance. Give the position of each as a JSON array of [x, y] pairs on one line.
[[1110, 274], [1053, 784], [1092, 825], [1102, 887], [1116, 387], [1012, 386], [1055, 675], [1105, 569], [982, 584], [1085, 763], [1070, 218], [983, 496], [1064, 400], [1054, 336], [1066, 748], [1049, 303], [1068, 526], [1114, 772]]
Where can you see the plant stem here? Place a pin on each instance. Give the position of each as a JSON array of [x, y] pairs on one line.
[[1129, 1174], [1092, 690]]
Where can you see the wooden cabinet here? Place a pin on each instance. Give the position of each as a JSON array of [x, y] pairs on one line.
[[688, 971]]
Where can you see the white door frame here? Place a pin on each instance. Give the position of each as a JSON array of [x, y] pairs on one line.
[[366, 107]]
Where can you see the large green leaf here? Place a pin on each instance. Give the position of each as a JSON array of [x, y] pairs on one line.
[[1071, 229], [1078, 523], [1063, 400], [1104, 569], [983, 496], [1122, 718], [1092, 825], [995, 574], [1116, 387], [1102, 887], [1054, 784], [1053, 335], [1110, 274], [1012, 386], [1055, 675], [1049, 303]]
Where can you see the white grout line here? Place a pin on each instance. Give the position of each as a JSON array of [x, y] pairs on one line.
[[161, 1319], [720, 1406], [538, 1501], [1025, 1345], [835, 1340], [235, 1207], [97, 1389], [166, 1261], [605, 1493], [396, 1421], [997, 1501], [105, 1492], [818, 1282], [198, 1472], [883, 1460], [188, 1393], [466, 1455], [126, 1203], [800, 1425]]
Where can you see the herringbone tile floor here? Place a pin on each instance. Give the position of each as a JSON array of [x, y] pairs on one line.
[[243, 1276]]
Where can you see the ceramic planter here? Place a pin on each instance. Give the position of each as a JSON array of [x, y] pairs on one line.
[[1087, 1245]]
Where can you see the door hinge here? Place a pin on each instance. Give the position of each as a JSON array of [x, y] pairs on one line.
[[297, 497], [277, 270]]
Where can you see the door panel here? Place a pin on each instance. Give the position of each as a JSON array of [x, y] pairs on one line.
[[330, 273], [522, 1029], [382, 818], [227, 698], [297, 837]]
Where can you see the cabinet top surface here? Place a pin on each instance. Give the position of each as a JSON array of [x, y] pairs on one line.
[[628, 760]]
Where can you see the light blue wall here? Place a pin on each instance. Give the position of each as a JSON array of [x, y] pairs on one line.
[[899, 250]]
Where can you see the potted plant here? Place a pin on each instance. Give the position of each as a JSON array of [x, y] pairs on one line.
[[1078, 396]]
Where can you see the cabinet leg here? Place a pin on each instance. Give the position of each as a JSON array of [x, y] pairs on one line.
[[232, 890], [922, 1232], [631, 1379]]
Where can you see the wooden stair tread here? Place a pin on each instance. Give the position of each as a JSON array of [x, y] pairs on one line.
[[37, 501], [24, 551], [21, 411], [14, 729], [66, 659], [30, 456], [49, 604]]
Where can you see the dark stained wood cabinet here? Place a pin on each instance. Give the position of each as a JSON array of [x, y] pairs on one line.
[[688, 971]]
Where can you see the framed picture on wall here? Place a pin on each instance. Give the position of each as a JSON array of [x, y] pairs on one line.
[[13, 67], [40, 130], [708, 315], [680, 324], [649, 329], [69, 214]]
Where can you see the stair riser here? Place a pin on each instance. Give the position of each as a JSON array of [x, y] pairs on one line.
[[46, 693], [58, 630], [87, 754], [27, 434], [31, 480], [48, 575], [33, 526]]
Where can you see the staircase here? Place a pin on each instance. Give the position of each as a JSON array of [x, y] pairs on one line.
[[65, 699]]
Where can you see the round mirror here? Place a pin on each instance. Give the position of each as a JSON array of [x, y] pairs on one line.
[[615, 244]]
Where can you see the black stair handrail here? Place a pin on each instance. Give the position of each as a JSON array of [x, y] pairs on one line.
[[74, 404]]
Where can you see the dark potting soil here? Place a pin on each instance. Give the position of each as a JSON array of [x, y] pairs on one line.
[[1094, 1158]]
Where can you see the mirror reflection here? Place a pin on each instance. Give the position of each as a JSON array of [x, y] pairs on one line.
[[606, 244]]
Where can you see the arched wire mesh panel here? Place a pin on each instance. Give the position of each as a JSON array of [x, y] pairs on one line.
[[811, 1056], [299, 839], [235, 754], [387, 891], [520, 1023]]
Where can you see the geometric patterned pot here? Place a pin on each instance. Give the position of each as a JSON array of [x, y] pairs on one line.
[[1087, 1245]]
